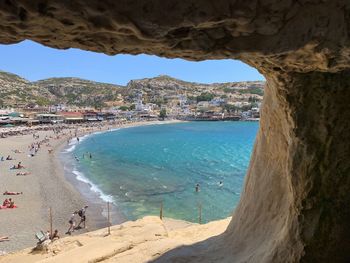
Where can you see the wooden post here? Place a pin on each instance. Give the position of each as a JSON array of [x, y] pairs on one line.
[[50, 217], [109, 219], [161, 211], [200, 213]]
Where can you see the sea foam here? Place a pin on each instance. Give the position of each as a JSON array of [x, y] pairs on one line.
[[80, 177]]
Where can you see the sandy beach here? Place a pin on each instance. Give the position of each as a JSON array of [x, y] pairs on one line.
[[46, 186]]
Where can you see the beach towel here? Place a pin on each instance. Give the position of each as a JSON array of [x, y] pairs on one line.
[[5, 207]]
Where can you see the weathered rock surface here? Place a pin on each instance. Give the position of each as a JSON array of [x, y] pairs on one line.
[[143, 240], [295, 205], [274, 34]]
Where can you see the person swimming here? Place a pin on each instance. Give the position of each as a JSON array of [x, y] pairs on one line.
[[197, 188], [221, 184]]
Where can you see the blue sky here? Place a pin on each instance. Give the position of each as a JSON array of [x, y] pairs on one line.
[[34, 61]]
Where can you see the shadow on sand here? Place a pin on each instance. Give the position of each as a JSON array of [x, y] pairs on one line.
[[208, 250]]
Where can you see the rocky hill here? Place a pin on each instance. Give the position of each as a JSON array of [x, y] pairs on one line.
[[15, 90], [80, 92], [163, 87]]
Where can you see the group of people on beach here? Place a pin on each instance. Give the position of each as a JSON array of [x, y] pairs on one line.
[[72, 220], [8, 203], [39, 143], [8, 158], [35, 146], [18, 166]]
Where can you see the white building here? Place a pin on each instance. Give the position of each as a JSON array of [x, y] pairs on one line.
[[217, 102], [49, 118]]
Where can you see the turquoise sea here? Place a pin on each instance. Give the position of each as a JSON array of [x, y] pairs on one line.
[[138, 168]]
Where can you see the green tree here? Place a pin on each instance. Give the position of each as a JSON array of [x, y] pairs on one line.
[[206, 96], [227, 90], [162, 113], [230, 108], [42, 101], [123, 108], [246, 107]]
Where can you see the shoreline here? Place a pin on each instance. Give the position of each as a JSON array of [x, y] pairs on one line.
[[91, 193], [47, 186]]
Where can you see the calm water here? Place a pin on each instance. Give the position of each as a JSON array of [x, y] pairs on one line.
[[139, 167]]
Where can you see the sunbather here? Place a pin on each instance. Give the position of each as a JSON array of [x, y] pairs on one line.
[[20, 166], [12, 193], [22, 173], [4, 239], [6, 202], [12, 204]]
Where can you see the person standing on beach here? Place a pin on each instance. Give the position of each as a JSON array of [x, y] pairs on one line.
[[71, 223], [82, 215]]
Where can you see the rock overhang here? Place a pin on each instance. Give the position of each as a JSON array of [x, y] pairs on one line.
[[269, 35]]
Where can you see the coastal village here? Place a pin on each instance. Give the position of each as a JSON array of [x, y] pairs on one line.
[[38, 119], [71, 100]]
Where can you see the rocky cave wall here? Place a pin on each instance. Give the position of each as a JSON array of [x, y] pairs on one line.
[[295, 204], [295, 201]]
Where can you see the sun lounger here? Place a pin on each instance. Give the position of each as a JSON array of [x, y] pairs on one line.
[[41, 236]]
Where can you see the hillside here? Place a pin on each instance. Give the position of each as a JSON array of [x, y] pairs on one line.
[[163, 87], [80, 92], [16, 91]]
